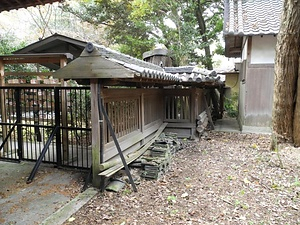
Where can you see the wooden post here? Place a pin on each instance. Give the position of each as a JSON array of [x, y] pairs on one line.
[[64, 119], [194, 110], [96, 142], [2, 104], [222, 96], [142, 115]]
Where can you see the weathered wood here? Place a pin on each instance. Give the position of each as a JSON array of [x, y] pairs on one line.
[[129, 140], [202, 122], [94, 67], [142, 116], [181, 125], [208, 111], [96, 133], [35, 58], [116, 168], [202, 116], [115, 161], [29, 73]]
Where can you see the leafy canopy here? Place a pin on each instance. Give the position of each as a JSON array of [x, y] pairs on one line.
[[185, 27]]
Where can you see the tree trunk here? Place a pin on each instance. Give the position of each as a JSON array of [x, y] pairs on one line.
[[296, 130], [202, 30], [286, 70]]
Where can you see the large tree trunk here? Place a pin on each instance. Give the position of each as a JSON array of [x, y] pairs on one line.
[[286, 70], [296, 130]]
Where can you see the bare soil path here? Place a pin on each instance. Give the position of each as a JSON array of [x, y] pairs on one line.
[[228, 178]]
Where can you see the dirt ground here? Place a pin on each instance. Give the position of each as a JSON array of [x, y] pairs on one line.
[[227, 178]]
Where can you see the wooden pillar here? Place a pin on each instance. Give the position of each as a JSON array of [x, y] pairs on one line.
[[63, 62], [96, 139], [2, 104], [142, 115], [194, 110], [222, 98]]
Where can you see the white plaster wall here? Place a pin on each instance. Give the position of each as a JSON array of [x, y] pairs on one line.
[[263, 49]]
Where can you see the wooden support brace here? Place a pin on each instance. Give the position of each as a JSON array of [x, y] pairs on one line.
[[102, 109], [112, 170]]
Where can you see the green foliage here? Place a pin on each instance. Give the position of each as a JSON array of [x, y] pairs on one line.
[[7, 47], [231, 105], [135, 26], [171, 199], [296, 182], [219, 49]]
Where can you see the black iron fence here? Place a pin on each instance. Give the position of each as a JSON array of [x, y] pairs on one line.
[[29, 115]]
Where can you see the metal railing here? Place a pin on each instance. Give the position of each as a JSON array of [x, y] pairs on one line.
[[30, 113]]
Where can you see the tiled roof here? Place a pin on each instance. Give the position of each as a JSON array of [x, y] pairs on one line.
[[194, 74], [98, 61], [252, 17], [7, 5], [125, 59]]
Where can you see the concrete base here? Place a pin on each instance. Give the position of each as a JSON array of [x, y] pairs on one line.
[[256, 130], [27, 204], [64, 213], [232, 125], [227, 125]]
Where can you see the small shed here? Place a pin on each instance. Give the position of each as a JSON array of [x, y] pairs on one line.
[[139, 99], [55, 43]]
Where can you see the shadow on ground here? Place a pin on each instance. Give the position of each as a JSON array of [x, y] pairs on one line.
[[22, 203]]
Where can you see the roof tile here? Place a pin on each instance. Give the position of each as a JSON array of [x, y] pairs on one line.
[[252, 17]]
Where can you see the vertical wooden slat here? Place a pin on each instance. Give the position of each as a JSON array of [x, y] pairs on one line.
[[137, 113], [122, 103], [108, 108], [142, 114], [2, 104], [126, 118], [129, 118], [167, 105], [118, 114]]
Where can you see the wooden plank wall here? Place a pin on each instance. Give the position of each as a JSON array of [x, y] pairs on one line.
[[182, 106], [259, 96], [135, 115]]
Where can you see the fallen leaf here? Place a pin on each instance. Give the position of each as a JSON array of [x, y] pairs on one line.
[[246, 181], [184, 195], [71, 219]]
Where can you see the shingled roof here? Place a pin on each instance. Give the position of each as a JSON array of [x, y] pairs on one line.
[[249, 18]]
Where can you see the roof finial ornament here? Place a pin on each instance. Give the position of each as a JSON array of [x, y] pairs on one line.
[[89, 47]]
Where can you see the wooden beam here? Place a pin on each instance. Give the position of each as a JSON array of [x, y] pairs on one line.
[[40, 58], [111, 171], [28, 73]]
